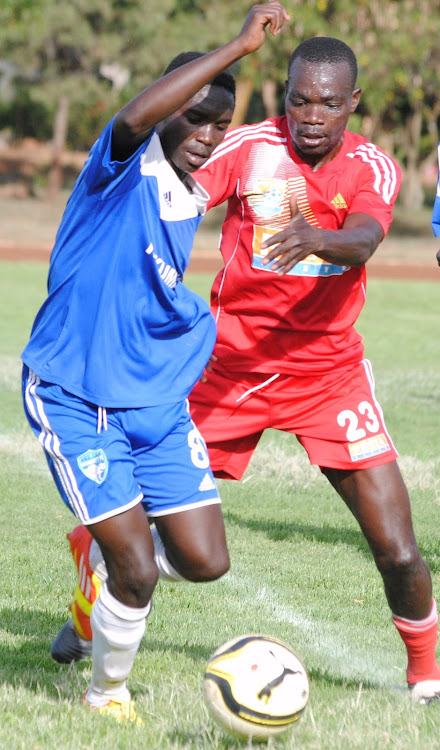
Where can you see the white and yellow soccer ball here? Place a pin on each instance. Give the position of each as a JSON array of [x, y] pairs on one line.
[[255, 686]]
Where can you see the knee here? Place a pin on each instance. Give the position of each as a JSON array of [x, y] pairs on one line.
[[399, 559], [206, 567], [133, 579]]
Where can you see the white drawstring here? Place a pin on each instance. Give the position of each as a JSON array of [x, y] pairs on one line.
[[257, 387], [102, 419]]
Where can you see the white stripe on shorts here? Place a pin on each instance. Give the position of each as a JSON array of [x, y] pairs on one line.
[[370, 377], [51, 444]]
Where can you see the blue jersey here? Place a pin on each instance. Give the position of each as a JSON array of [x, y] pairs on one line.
[[119, 328]]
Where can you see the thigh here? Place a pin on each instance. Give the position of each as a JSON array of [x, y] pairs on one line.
[[94, 472], [195, 540], [126, 543], [339, 421], [379, 500]]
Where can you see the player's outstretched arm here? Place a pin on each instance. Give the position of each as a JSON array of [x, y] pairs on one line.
[[134, 122], [351, 245]]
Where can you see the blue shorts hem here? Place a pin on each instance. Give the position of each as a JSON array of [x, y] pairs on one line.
[[187, 506]]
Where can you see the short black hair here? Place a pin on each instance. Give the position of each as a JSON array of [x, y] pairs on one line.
[[325, 49], [224, 79]]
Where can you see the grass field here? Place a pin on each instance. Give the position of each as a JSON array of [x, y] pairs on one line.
[[301, 570]]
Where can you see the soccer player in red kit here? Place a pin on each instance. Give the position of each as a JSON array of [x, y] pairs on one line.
[[308, 204]]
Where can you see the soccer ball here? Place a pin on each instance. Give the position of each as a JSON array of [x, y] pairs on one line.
[[255, 686]]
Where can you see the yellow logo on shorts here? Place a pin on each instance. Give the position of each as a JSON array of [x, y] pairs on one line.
[[368, 447]]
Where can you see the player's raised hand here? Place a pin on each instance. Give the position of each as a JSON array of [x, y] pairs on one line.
[[292, 244], [269, 16]]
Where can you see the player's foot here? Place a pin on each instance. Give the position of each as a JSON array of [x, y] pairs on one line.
[[68, 646], [426, 692], [120, 711]]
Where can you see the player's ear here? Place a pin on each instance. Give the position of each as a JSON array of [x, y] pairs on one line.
[[356, 95]]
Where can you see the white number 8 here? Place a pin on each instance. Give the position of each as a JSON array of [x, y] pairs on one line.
[[199, 456]]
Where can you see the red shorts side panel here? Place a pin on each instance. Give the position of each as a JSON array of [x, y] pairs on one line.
[[336, 417]]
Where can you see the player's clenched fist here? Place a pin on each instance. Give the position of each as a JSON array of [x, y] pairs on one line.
[[269, 16]]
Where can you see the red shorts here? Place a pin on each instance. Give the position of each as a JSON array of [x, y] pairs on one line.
[[335, 417]]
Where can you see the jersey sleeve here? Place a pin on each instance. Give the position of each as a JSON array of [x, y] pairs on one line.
[[220, 174], [106, 175], [377, 185]]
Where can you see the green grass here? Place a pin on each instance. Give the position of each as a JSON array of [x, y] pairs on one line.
[[301, 570]]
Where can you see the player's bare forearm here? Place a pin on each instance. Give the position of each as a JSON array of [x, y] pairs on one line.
[[134, 121], [352, 245]]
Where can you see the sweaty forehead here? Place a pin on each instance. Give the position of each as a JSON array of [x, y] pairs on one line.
[[326, 78]]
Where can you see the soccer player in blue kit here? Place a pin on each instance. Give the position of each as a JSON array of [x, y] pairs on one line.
[[118, 345]]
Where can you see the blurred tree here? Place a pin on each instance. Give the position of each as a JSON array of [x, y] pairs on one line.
[[88, 57], [83, 50]]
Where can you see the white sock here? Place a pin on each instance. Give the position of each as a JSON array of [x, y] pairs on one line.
[[166, 570], [117, 633]]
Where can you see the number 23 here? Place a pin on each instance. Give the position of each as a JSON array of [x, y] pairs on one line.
[[354, 432]]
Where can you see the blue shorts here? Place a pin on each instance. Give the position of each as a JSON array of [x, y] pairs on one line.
[[154, 455]]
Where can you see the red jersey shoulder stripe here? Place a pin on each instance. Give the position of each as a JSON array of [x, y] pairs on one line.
[[383, 167], [264, 131]]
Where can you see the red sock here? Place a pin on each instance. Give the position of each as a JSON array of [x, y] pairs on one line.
[[420, 639]]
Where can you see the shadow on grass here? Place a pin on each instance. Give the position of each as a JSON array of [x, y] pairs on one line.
[[30, 666], [326, 534], [26, 660], [281, 530]]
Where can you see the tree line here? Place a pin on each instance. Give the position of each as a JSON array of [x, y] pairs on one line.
[[67, 65]]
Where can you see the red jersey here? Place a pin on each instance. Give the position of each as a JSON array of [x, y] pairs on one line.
[[304, 321]]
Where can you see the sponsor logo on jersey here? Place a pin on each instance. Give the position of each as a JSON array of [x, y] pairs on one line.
[[267, 198], [310, 266], [206, 484], [339, 202], [368, 447], [167, 273], [94, 465], [167, 198]]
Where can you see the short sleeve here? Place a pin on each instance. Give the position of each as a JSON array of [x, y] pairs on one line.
[[377, 184], [107, 176]]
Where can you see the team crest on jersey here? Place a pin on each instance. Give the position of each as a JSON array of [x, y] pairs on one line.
[[267, 198], [94, 465]]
